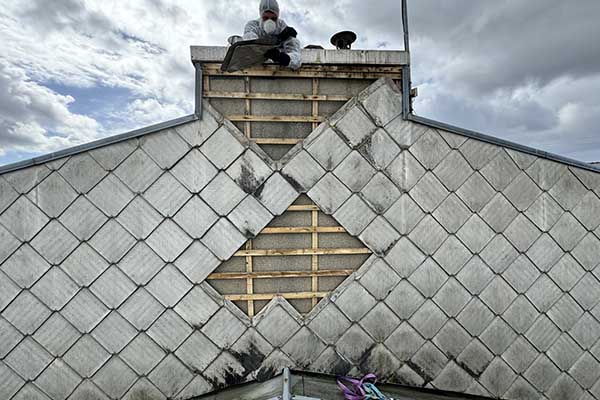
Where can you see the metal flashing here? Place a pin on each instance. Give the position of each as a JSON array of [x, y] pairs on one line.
[[501, 142], [96, 144]]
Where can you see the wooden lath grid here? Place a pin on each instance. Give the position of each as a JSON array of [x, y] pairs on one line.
[[315, 73], [249, 253]]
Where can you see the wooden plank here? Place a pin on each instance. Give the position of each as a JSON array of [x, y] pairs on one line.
[[301, 252], [274, 96], [266, 297], [276, 141], [302, 229], [308, 74], [388, 69], [315, 258], [303, 207], [249, 281], [278, 274], [274, 118]]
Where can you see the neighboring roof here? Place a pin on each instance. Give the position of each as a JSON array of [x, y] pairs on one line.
[[97, 143], [304, 385]]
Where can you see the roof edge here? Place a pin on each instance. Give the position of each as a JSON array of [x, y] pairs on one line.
[[501, 142], [97, 143]]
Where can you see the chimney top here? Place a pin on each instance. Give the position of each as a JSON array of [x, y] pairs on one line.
[[208, 54]]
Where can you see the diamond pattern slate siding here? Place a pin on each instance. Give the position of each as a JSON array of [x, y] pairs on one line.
[[484, 278]]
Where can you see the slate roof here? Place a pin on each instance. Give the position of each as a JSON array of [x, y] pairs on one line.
[[490, 258]]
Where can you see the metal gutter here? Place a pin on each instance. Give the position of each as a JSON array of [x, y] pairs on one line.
[[501, 142], [96, 144]]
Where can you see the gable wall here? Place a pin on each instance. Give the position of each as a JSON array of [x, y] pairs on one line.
[[483, 279]]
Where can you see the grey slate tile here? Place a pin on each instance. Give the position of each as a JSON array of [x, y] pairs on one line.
[[141, 309], [222, 194], [194, 171], [452, 255], [354, 343], [329, 323], [380, 193], [138, 171], [384, 104], [521, 274], [222, 148], [23, 219], [329, 194], [167, 195], [110, 195], [405, 171], [86, 356], [28, 359], [476, 193], [142, 354], [276, 194], [24, 180], [347, 303], [475, 358], [112, 241], [428, 235], [499, 254], [55, 289], [520, 355], [498, 377], [479, 153], [83, 219], [475, 275], [85, 311], [249, 171], [475, 317], [379, 278], [542, 373], [82, 172], [380, 149], [453, 171], [588, 211], [54, 243], [542, 333], [354, 171], [452, 213], [428, 319], [405, 257], [355, 125], [452, 297], [546, 172], [567, 232], [24, 277], [197, 262], [354, 215], [109, 157], [165, 147], [328, 149], [169, 331], [404, 214], [250, 217], [475, 234], [58, 380], [223, 239], [379, 236], [500, 171], [169, 286], [452, 339], [521, 314], [428, 278], [224, 328], [429, 192], [498, 213], [430, 149], [568, 191], [405, 133], [303, 171], [170, 376], [114, 332]]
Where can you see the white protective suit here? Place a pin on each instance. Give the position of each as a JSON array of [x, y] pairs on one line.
[[254, 30]]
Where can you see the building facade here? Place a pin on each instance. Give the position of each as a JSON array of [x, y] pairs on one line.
[[468, 264]]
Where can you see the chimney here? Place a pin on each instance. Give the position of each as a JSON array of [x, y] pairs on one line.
[[277, 107]]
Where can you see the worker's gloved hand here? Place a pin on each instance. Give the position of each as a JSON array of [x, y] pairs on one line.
[[278, 57], [287, 33]]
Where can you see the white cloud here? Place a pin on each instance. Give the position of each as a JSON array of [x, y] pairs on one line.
[[512, 69]]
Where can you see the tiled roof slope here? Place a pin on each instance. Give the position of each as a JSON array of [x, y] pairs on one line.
[[484, 278]]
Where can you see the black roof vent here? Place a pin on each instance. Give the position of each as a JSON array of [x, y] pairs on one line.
[[343, 40]]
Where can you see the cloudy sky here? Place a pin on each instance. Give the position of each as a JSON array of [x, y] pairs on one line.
[[72, 71]]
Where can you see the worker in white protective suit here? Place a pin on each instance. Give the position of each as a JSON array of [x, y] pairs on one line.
[[269, 25]]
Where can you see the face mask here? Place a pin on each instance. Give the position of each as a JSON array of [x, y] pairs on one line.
[[270, 26]]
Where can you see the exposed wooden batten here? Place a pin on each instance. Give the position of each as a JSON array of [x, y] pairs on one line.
[[274, 118], [279, 274], [274, 96], [267, 297], [301, 252]]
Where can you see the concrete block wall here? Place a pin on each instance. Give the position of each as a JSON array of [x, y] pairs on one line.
[[484, 277]]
